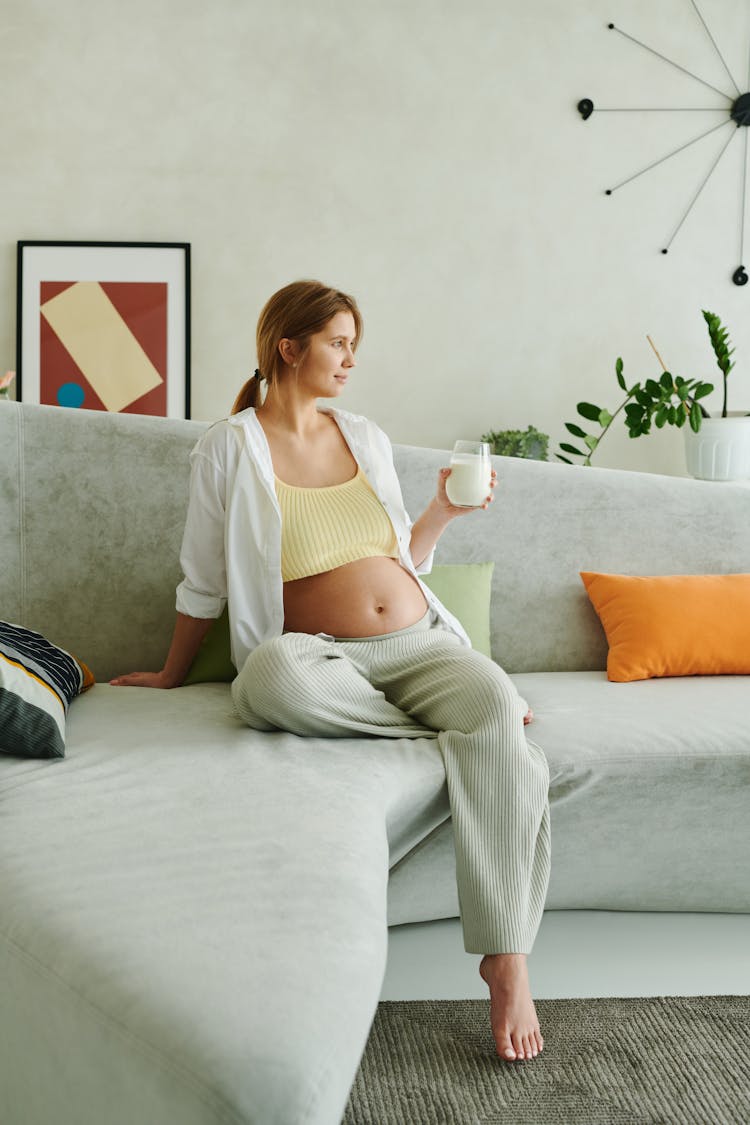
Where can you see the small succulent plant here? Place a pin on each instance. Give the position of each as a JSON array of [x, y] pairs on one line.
[[529, 443]]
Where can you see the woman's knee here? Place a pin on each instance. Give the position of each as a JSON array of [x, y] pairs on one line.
[[277, 676], [486, 695]]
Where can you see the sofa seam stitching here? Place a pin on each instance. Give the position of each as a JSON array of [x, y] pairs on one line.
[[687, 759], [20, 432]]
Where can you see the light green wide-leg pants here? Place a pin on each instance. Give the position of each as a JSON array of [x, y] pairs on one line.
[[422, 681]]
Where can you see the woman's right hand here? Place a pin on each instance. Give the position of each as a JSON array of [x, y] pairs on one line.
[[186, 640], [144, 679]]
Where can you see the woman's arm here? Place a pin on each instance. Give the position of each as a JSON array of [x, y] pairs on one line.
[[437, 515], [202, 594], [186, 640]]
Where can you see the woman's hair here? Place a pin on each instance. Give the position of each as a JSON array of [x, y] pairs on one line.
[[295, 312]]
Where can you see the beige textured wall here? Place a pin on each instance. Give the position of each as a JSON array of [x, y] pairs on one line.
[[425, 155]]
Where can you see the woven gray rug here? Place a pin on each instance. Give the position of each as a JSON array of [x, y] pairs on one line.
[[654, 1061]]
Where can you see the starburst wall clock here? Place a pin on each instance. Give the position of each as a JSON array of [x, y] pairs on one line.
[[734, 116]]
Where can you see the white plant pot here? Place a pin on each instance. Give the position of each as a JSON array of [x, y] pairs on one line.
[[720, 450]]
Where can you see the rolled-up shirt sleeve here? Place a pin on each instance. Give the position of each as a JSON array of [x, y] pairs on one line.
[[203, 590]]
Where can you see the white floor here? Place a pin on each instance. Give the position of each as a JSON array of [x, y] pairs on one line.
[[582, 953]]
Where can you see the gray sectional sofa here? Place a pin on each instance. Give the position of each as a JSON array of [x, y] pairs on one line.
[[194, 916]]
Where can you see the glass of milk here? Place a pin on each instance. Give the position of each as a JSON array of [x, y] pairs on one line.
[[468, 485]]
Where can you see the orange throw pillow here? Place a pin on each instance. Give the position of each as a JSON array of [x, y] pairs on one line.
[[673, 624]]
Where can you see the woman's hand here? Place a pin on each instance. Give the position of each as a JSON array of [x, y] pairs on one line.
[[436, 517], [186, 640], [144, 679], [455, 509]]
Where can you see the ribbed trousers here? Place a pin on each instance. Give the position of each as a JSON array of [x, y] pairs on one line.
[[423, 681]]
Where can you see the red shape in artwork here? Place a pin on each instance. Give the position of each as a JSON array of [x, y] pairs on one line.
[[50, 289]]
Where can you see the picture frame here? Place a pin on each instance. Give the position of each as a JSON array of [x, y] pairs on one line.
[[104, 326]]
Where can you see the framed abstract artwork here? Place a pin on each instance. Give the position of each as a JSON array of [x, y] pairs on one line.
[[105, 326]]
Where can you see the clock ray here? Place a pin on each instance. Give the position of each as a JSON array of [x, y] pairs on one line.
[[658, 108], [739, 277], [716, 48], [670, 61], [700, 189], [738, 112], [721, 125]]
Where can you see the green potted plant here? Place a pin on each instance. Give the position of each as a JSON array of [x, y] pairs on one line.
[[672, 400], [529, 443], [720, 450]]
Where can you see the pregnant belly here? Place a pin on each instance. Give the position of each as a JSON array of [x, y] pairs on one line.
[[360, 599]]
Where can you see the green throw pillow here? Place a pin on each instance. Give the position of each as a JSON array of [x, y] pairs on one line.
[[213, 663], [463, 588]]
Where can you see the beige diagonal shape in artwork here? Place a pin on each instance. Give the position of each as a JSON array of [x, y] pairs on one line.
[[102, 345]]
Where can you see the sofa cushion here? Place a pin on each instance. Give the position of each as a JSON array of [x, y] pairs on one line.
[[673, 624], [202, 906], [465, 589], [649, 787], [38, 681]]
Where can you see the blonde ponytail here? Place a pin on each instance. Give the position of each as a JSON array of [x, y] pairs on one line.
[[249, 395]]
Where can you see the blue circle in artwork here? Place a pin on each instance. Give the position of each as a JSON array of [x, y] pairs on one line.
[[71, 394]]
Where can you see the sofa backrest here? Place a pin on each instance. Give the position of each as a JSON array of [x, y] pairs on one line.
[[92, 507], [549, 521]]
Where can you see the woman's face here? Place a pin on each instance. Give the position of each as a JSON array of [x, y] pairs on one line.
[[330, 358]]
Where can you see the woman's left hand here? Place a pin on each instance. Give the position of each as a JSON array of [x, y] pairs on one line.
[[455, 509]]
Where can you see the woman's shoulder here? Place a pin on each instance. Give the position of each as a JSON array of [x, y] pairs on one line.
[[359, 424], [220, 440]]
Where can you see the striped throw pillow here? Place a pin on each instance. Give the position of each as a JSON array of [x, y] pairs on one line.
[[38, 680]]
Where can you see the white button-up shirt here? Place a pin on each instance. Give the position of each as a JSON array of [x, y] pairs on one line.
[[231, 549]]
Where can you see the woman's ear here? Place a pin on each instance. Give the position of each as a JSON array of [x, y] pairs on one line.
[[288, 349]]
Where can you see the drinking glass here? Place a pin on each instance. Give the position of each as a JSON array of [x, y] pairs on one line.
[[468, 485]]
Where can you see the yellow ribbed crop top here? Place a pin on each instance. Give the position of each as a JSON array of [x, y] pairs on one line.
[[322, 528]]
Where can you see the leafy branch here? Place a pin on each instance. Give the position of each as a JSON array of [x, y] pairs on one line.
[[668, 401]]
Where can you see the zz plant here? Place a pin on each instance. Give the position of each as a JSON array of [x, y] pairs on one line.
[[670, 400], [719, 342]]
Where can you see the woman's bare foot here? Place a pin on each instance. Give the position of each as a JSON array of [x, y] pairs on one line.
[[515, 1026]]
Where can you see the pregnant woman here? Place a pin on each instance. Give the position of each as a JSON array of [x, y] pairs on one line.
[[296, 520]]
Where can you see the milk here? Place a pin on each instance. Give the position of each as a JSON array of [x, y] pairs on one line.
[[468, 485]]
